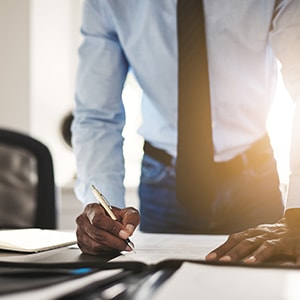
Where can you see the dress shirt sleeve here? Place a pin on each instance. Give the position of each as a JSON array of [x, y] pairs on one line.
[[99, 113], [285, 41]]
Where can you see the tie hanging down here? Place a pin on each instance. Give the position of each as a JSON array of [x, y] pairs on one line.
[[195, 165]]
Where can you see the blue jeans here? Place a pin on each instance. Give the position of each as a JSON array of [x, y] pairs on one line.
[[244, 200]]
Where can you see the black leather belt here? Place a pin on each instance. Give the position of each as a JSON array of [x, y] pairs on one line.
[[158, 154], [258, 153]]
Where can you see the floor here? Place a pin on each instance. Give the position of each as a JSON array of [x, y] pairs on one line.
[[70, 207]]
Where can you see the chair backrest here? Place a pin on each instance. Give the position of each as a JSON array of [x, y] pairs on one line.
[[27, 184]]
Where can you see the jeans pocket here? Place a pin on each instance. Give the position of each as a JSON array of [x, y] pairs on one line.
[[152, 170], [264, 170]]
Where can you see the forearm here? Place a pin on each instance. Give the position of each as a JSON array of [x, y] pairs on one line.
[[99, 115]]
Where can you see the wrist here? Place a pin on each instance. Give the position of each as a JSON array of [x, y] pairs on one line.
[[292, 218]]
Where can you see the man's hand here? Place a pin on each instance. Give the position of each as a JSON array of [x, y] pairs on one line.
[[98, 233], [262, 243]]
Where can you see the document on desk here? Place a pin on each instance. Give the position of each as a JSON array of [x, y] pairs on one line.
[[154, 248], [34, 239], [209, 282]]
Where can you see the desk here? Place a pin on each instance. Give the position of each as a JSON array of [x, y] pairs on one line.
[[190, 281]]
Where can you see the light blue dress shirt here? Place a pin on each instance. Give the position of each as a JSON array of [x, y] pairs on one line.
[[140, 35]]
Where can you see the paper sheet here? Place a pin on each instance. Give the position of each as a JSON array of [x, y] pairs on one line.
[[154, 248], [196, 281]]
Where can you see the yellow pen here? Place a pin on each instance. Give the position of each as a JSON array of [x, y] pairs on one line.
[[107, 207]]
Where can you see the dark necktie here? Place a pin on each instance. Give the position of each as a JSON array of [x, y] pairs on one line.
[[195, 167]]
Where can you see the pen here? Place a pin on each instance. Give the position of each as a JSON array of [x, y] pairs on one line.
[[107, 207]]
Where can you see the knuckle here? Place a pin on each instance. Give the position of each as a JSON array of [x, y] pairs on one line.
[[270, 243], [115, 228], [91, 215], [249, 242], [235, 237], [89, 207], [131, 213], [131, 210]]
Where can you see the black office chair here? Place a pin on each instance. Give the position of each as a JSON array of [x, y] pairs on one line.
[[27, 185]]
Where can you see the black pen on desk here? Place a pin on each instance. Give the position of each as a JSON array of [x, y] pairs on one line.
[[107, 207]]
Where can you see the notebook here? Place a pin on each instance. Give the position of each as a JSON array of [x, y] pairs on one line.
[[34, 239]]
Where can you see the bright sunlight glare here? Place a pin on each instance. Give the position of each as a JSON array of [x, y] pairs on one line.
[[279, 128]]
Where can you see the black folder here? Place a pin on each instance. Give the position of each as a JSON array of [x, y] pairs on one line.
[[136, 277]]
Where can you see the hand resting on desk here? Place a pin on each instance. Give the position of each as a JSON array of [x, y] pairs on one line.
[[97, 232], [263, 242]]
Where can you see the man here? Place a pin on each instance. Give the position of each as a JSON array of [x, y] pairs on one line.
[[242, 39]]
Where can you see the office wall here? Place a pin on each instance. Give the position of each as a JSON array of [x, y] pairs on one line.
[[38, 58], [15, 64], [55, 37]]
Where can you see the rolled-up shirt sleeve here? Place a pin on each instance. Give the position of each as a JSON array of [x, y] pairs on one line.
[[99, 115]]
